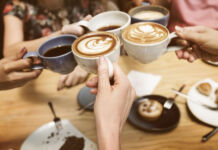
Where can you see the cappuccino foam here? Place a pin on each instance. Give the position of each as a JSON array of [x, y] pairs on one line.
[[94, 45], [148, 15], [145, 33]]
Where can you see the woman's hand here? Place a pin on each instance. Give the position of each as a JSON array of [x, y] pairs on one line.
[[12, 74], [75, 28], [76, 77], [112, 105], [201, 43]]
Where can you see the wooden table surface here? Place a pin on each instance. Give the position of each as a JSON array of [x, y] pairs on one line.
[[25, 109]]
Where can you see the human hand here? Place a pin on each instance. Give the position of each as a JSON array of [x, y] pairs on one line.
[[137, 2], [75, 28], [112, 104], [202, 43], [76, 77], [12, 74]]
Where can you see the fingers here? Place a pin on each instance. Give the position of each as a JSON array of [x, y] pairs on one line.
[[119, 76], [94, 91], [21, 53], [179, 54], [103, 75], [182, 42], [88, 17], [24, 76], [61, 82], [18, 65], [192, 34], [92, 83]]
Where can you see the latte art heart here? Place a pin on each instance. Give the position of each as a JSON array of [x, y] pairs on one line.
[[145, 33], [95, 45]]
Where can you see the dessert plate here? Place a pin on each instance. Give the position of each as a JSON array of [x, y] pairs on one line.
[[47, 138], [202, 113], [167, 121]]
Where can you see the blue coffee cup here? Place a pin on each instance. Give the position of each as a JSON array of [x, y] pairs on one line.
[[62, 64], [163, 20]]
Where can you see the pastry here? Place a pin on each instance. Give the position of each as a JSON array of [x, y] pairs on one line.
[[204, 88], [150, 109]]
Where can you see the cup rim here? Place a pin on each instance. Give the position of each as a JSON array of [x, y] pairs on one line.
[[117, 12], [146, 6], [54, 38], [151, 44], [97, 57]]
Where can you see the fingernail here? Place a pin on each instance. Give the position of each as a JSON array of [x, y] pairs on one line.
[[178, 28], [23, 50]]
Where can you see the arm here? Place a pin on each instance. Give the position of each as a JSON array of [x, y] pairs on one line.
[[14, 37], [112, 105]]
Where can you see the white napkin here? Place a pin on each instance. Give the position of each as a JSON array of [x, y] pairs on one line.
[[143, 83]]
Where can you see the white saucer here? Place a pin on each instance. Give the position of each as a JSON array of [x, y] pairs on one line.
[[42, 138], [202, 113]]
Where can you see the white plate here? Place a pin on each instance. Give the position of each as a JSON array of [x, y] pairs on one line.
[[41, 139], [202, 113]]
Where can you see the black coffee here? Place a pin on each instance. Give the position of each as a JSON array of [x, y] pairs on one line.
[[107, 28], [57, 51]]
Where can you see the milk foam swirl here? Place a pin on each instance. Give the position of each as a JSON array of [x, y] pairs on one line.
[[145, 33], [95, 45]]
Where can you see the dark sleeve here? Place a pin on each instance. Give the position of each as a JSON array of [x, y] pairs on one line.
[[17, 9]]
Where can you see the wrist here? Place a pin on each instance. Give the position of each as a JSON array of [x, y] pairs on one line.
[[108, 136]]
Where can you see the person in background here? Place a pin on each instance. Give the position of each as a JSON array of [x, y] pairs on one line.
[[189, 13], [112, 105], [28, 23], [12, 74]]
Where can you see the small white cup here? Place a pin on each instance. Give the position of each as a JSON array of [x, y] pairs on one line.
[[90, 64], [108, 18], [146, 53]]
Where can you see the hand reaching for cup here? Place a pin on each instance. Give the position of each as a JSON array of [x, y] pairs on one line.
[[74, 28], [200, 42], [112, 105], [76, 77], [12, 74]]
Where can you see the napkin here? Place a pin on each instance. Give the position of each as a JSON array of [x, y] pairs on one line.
[[143, 83]]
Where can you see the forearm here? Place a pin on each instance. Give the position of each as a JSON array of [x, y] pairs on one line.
[[32, 45], [108, 137]]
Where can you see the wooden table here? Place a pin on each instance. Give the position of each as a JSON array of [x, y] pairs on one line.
[[25, 109]]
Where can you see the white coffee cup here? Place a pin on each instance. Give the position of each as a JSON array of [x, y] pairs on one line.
[[146, 53], [109, 18], [90, 64]]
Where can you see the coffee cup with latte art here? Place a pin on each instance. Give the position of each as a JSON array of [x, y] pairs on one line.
[[147, 41], [88, 48], [110, 21], [150, 13]]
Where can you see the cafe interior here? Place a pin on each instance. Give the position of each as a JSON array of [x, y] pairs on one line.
[[108, 75]]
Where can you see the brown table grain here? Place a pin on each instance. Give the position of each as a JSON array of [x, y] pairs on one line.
[[25, 109]]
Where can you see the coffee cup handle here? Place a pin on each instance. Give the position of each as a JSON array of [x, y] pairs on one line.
[[173, 48], [84, 23], [31, 55]]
